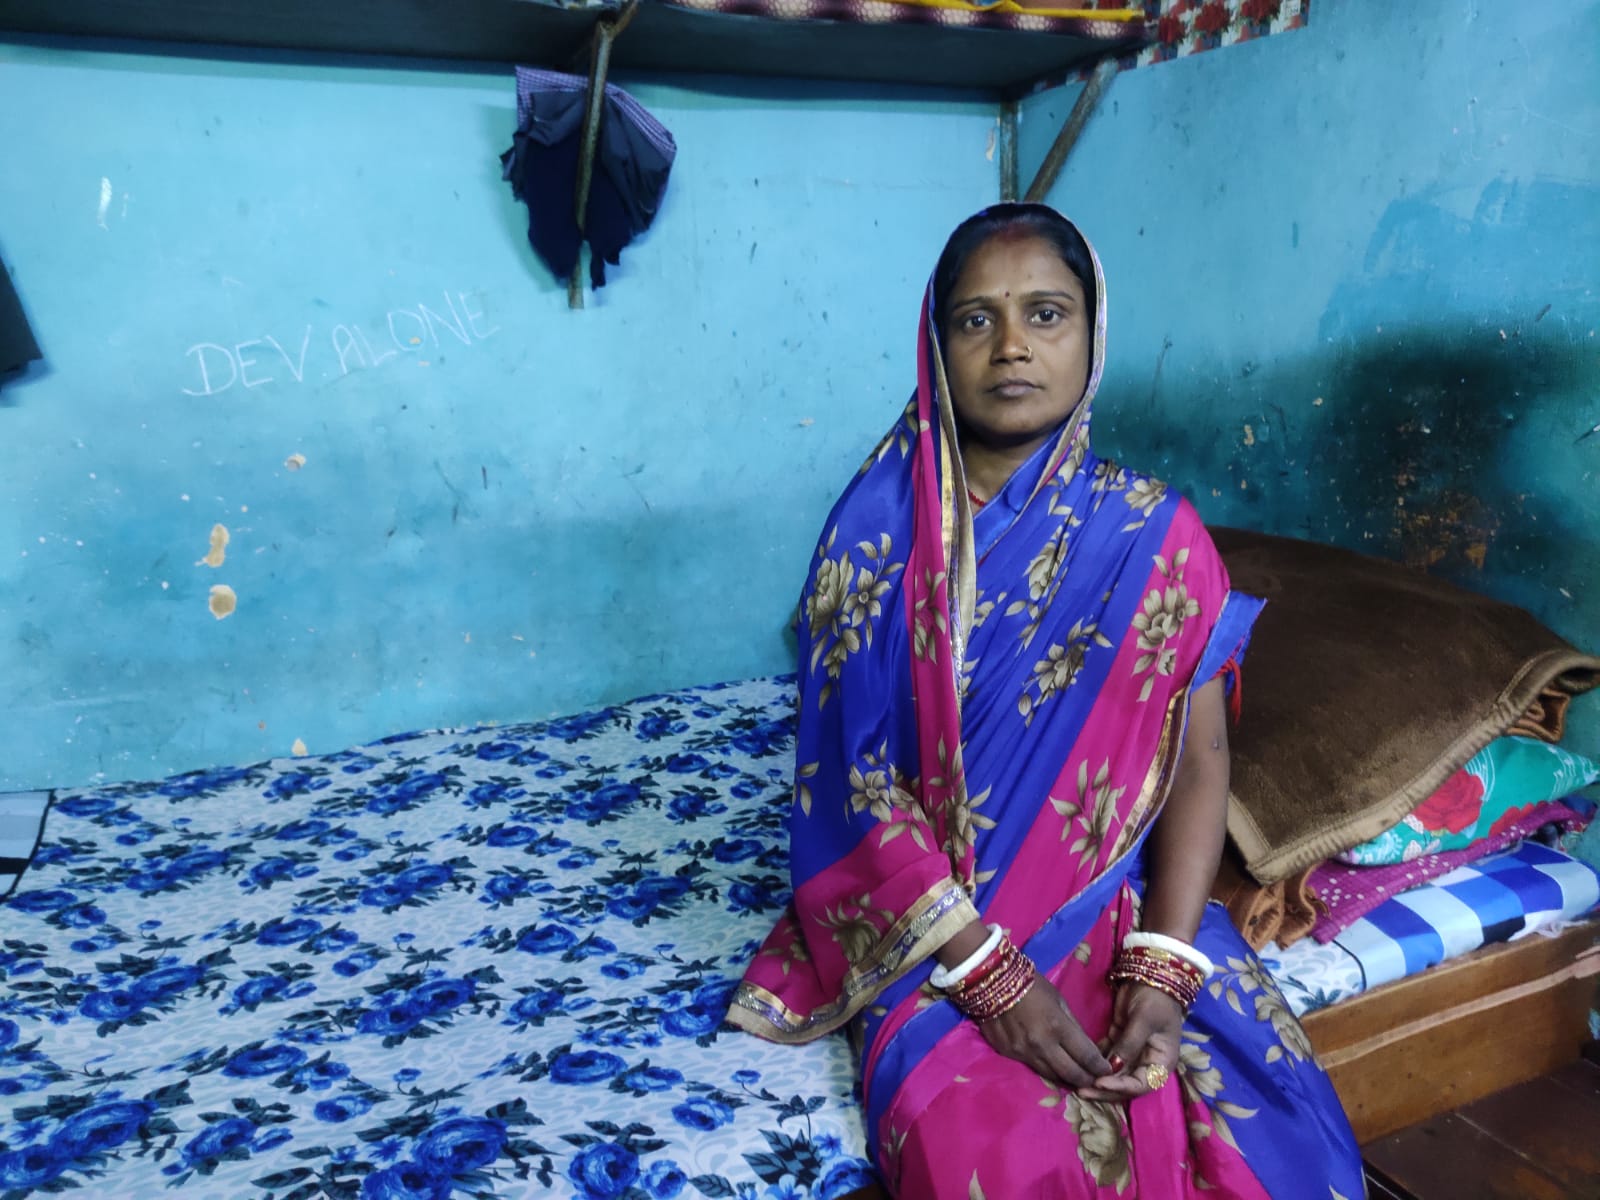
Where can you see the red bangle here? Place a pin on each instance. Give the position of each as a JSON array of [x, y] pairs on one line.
[[999, 989], [1157, 969]]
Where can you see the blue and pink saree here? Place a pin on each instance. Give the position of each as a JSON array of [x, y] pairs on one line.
[[992, 706]]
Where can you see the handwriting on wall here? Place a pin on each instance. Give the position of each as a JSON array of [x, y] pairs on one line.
[[336, 352]]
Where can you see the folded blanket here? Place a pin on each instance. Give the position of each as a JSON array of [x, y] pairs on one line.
[[1499, 898], [1286, 911], [1546, 718], [1346, 894], [1497, 784], [1282, 912], [1368, 684], [1506, 896]]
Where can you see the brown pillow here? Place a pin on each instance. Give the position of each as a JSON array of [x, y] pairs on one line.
[[1367, 684]]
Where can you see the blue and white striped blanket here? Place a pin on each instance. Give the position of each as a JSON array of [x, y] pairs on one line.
[[1500, 898]]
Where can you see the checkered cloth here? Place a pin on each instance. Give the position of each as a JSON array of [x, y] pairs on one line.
[[1495, 899], [21, 823]]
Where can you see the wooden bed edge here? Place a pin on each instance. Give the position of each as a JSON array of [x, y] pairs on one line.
[[1585, 966], [1433, 1042], [1484, 972]]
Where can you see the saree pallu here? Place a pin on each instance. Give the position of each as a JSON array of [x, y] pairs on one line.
[[992, 707]]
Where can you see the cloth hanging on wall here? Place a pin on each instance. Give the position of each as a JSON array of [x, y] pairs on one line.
[[632, 161], [17, 345]]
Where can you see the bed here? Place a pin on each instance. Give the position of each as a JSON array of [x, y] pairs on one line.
[[493, 961], [481, 962]]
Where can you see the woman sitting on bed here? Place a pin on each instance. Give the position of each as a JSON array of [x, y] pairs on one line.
[[1012, 688]]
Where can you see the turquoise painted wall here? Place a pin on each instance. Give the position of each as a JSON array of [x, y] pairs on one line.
[[505, 509], [1353, 277]]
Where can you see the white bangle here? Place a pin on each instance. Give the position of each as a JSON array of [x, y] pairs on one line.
[[943, 979], [1173, 946]]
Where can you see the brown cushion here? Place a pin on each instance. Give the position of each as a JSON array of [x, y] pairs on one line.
[[1367, 684]]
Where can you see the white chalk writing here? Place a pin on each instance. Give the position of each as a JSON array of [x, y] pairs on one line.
[[402, 331]]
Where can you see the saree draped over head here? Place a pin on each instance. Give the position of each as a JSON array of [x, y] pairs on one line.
[[991, 709]]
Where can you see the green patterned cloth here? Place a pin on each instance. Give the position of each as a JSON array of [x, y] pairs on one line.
[[1503, 779]]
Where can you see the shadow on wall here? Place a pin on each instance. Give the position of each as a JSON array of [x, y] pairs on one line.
[[1441, 418], [1409, 446], [12, 383]]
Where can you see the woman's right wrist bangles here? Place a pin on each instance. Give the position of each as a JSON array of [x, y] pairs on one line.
[[996, 984]]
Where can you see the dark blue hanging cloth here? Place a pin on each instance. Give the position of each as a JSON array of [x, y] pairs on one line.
[[632, 161], [17, 347]]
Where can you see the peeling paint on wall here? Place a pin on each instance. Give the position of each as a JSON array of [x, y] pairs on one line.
[[219, 548], [223, 601]]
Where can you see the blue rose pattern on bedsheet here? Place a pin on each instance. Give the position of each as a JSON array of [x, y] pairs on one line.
[[481, 963]]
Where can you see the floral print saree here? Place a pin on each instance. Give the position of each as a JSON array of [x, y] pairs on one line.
[[991, 708]]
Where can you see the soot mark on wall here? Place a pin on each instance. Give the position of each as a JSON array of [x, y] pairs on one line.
[[1398, 445], [1418, 444]]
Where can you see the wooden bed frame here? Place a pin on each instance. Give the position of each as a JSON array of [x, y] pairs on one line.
[[1423, 1045]]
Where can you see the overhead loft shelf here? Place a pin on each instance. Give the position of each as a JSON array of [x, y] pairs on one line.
[[662, 37]]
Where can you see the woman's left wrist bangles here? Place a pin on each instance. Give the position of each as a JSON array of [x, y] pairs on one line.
[[996, 984], [1166, 964]]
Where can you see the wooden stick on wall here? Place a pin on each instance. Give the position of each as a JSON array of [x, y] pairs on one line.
[[605, 32], [1088, 99]]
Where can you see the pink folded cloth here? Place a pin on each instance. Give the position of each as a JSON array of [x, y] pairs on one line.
[[1349, 893]]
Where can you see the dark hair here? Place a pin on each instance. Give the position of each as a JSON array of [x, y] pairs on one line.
[[1011, 220]]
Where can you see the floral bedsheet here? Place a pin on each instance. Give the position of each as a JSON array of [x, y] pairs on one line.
[[480, 963]]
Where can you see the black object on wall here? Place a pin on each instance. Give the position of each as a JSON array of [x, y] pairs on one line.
[[632, 157], [17, 345]]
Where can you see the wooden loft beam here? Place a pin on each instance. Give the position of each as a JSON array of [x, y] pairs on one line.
[[663, 37]]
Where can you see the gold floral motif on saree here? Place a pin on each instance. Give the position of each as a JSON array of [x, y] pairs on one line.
[[1102, 1135], [1092, 814], [928, 619], [845, 603], [1161, 620], [898, 440], [1046, 572], [946, 793], [1202, 1083], [1144, 496], [1058, 670], [790, 952], [1247, 978], [889, 797], [856, 926], [1109, 477], [802, 790]]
